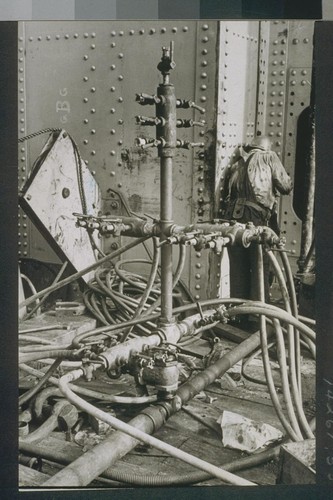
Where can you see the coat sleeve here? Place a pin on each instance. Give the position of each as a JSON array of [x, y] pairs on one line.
[[280, 178], [225, 186]]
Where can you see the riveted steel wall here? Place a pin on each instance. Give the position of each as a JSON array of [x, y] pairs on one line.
[[237, 105], [284, 92], [83, 77], [237, 101]]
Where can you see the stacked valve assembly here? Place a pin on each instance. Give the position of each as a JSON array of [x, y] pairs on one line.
[[215, 235]]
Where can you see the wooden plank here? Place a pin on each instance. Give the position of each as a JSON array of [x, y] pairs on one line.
[[30, 477], [230, 332]]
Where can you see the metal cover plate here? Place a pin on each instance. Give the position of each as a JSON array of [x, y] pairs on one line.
[[53, 195]]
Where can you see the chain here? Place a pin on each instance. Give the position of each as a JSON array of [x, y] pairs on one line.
[[40, 132]]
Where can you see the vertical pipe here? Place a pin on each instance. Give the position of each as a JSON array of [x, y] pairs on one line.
[[166, 135], [166, 250]]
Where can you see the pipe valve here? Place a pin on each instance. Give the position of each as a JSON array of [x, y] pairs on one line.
[[185, 103], [145, 99], [158, 367], [185, 123], [146, 120], [189, 145]]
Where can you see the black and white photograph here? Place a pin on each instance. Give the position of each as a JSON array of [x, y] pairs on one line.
[[166, 254]]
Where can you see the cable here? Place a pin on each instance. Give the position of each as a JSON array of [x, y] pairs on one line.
[[42, 300], [149, 287], [84, 271], [40, 132]]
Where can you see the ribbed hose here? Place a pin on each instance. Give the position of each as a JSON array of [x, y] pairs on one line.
[[149, 480]]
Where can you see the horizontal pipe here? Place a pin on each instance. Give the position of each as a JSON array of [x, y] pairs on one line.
[[101, 396], [65, 477], [82, 471], [61, 457]]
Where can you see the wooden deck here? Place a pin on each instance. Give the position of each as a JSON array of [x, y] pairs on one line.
[[183, 430]]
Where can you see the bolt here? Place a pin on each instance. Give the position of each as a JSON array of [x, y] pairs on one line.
[[65, 192], [114, 205], [114, 246]]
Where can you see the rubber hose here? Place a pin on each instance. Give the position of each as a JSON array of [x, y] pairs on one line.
[[292, 432], [31, 392], [48, 426]]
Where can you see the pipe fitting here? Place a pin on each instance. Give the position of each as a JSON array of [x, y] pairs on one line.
[[157, 414]]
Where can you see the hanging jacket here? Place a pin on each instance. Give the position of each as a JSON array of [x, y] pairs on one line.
[[253, 181]]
